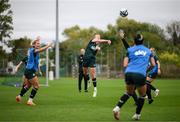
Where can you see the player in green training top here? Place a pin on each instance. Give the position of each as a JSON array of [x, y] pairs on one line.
[[89, 59]]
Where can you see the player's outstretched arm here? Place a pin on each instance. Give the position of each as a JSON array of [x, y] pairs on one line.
[[126, 45], [102, 41], [121, 34], [159, 67], [43, 48], [97, 39], [17, 67]]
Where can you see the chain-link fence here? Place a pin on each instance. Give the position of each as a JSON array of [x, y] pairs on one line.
[[108, 64]]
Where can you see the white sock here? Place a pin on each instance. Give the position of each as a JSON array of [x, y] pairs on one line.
[[95, 89], [116, 109], [30, 100]]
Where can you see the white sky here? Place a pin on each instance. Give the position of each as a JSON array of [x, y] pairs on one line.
[[34, 18]]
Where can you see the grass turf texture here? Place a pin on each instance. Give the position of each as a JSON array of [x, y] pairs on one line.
[[61, 101]]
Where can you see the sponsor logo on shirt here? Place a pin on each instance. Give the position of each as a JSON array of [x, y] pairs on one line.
[[140, 53]]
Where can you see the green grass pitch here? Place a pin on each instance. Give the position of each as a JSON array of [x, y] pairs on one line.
[[62, 102]]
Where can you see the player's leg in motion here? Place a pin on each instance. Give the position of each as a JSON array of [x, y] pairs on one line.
[[80, 80], [123, 99], [149, 80], [134, 95], [35, 83], [24, 89], [148, 92], [93, 76], [140, 103]]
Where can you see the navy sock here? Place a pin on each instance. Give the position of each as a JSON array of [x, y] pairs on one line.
[[94, 82], [152, 87], [123, 100], [23, 91], [134, 95], [148, 92], [33, 93], [140, 104]]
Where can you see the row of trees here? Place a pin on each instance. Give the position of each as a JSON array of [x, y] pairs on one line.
[[166, 42]]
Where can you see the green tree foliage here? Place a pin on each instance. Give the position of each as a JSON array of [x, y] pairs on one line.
[[5, 19], [154, 36], [170, 64], [20, 45], [77, 37], [170, 58]]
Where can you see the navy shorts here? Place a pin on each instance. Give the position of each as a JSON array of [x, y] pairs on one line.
[[135, 79], [152, 74], [89, 62], [29, 74]]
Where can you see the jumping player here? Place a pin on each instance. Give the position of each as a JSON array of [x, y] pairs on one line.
[[30, 71], [90, 59], [136, 63]]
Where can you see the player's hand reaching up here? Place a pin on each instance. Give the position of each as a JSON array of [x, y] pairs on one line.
[[50, 44], [121, 34]]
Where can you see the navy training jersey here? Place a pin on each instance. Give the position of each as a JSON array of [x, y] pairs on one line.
[[155, 68], [33, 59], [90, 50], [139, 57]]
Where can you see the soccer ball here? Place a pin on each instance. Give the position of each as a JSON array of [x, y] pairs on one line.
[[123, 12]]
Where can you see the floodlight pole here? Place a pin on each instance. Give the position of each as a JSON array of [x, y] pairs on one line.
[[47, 66], [57, 41]]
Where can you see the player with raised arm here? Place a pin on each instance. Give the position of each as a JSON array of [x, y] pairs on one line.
[[136, 63], [126, 46], [89, 59], [30, 71]]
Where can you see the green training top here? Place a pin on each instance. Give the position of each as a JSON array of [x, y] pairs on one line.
[[90, 50]]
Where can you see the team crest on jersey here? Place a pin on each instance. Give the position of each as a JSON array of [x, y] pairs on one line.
[[140, 53]]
